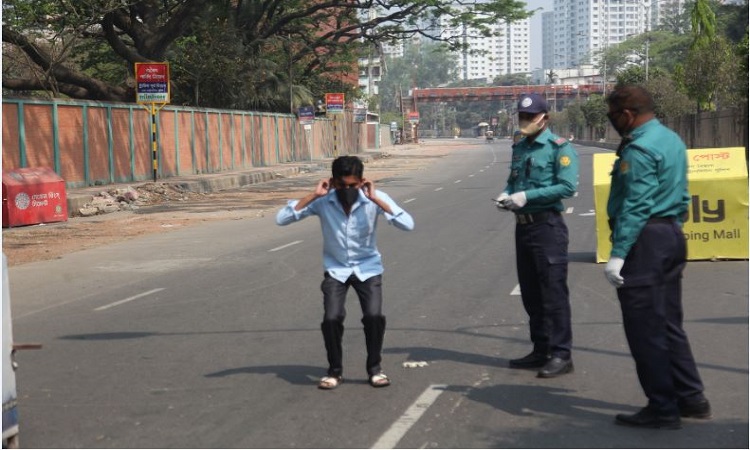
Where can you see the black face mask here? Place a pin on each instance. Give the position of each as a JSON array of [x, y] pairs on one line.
[[347, 196]]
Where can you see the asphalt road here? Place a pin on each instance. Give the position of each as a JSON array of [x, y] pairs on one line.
[[208, 337]]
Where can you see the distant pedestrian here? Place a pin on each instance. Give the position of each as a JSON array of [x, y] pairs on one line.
[[648, 202], [543, 171], [348, 206]]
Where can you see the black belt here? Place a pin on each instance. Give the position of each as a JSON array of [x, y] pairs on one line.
[[669, 219], [650, 221], [526, 219]]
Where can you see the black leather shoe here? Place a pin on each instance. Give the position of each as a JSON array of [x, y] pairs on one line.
[[695, 410], [647, 418], [531, 361], [556, 367]]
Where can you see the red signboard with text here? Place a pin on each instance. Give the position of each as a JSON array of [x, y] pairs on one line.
[[335, 103], [152, 82]]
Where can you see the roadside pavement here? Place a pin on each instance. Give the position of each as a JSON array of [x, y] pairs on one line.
[[101, 215], [95, 200]]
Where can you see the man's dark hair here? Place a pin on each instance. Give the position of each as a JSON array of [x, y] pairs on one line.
[[343, 166], [633, 97]]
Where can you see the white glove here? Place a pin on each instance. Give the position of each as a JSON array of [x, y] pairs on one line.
[[515, 201], [612, 271], [500, 200]]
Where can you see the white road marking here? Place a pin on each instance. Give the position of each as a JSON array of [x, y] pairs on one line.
[[409, 200], [590, 213], [129, 299], [471, 176], [481, 170], [569, 210], [438, 189], [516, 290], [457, 181], [400, 427], [576, 194], [284, 246]]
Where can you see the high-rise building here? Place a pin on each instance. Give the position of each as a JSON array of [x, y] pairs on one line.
[[487, 57], [577, 31], [507, 51]]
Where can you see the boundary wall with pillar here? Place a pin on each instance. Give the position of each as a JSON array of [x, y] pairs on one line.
[[99, 143]]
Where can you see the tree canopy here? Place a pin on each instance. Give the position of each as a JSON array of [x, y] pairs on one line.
[[239, 52]]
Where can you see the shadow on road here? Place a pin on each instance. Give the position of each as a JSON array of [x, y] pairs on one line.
[[293, 374], [520, 400], [569, 420]]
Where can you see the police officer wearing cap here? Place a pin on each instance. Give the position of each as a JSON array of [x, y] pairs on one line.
[[647, 203], [543, 171]]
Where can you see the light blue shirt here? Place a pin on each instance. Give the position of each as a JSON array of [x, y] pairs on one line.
[[349, 242]]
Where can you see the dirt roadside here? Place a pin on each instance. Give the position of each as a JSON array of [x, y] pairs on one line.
[[168, 208]]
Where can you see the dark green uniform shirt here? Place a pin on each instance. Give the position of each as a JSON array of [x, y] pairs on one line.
[[649, 179], [546, 169]]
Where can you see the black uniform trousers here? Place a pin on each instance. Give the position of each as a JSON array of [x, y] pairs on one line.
[[542, 265], [370, 293], [651, 302]]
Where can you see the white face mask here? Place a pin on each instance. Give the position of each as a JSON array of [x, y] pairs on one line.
[[530, 127]]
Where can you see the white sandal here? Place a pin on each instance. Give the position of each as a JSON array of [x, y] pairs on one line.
[[329, 382], [380, 380]]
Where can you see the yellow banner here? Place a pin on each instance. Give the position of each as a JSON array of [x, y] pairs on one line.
[[717, 223]]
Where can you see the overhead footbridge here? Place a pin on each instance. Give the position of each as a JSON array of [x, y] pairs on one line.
[[491, 93]]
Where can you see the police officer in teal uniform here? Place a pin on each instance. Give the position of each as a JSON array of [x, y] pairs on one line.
[[647, 204], [543, 171]]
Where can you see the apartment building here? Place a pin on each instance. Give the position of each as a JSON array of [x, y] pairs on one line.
[[576, 31], [485, 58]]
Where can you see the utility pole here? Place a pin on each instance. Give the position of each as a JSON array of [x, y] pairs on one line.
[[648, 37], [288, 47], [606, 44]]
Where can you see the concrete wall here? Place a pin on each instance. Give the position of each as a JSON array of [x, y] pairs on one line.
[[708, 129], [97, 143]]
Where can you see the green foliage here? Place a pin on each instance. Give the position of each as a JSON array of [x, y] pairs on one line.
[[575, 118], [513, 79], [595, 113], [674, 18], [709, 74], [388, 117], [425, 65], [669, 101], [631, 75], [732, 21], [229, 54], [703, 21]]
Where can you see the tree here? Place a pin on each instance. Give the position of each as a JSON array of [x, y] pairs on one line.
[[709, 74], [574, 118], [48, 33], [43, 38], [595, 112], [674, 19], [551, 76], [423, 65], [668, 100], [703, 21], [513, 79]]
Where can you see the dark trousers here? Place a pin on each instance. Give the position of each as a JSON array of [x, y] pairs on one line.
[[370, 293], [542, 265], [651, 302]]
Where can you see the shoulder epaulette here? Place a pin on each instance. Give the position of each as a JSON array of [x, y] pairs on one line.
[[560, 141]]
